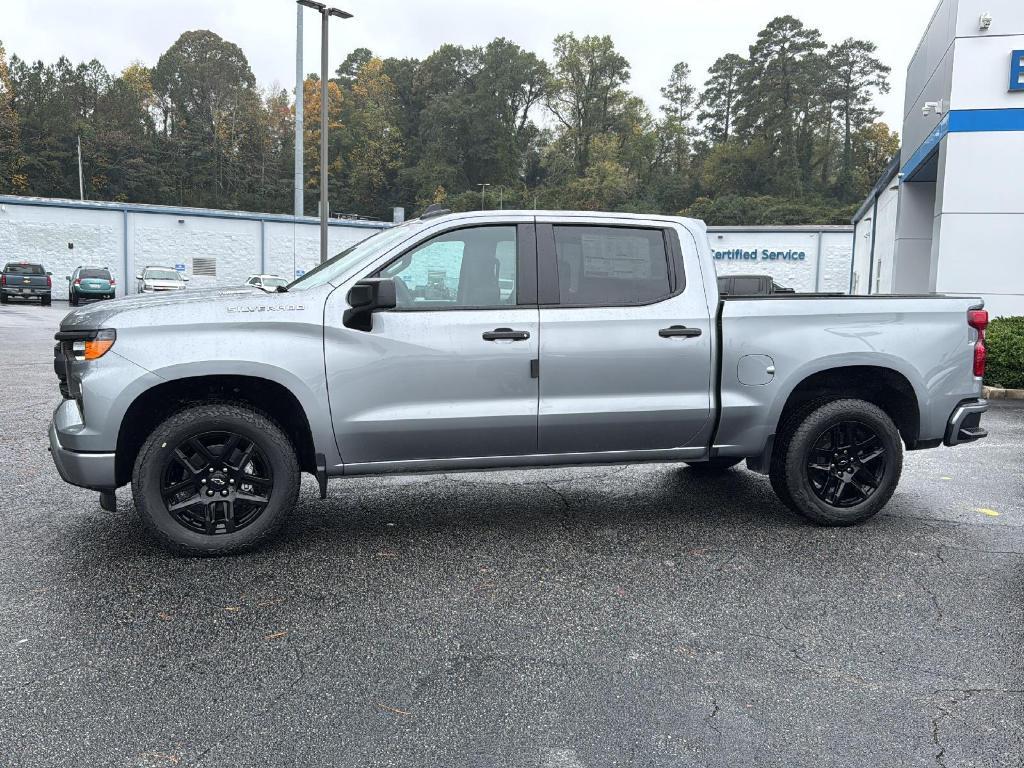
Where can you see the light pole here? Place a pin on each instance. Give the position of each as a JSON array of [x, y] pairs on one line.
[[300, 84], [483, 188], [325, 15]]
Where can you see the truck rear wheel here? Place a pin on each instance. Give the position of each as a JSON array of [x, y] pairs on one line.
[[837, 463], [215, 479]]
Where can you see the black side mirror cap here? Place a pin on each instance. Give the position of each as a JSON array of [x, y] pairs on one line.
[[370, 295]]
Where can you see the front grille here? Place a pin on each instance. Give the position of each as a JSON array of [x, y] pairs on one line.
[[63, 356], [61, 369]]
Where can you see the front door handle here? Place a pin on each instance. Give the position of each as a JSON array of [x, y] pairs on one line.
[[506, 333], [678, 330]]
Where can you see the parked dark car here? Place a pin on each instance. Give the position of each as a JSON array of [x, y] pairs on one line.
[[90, 283], [750, 285], [22, 280]]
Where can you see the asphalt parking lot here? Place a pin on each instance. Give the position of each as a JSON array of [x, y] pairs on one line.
[[550, 618]]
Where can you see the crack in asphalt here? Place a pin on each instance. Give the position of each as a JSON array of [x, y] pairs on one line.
[[958, 696]]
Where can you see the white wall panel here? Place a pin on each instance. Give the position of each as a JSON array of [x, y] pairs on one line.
[[981, 254], [40, 230]]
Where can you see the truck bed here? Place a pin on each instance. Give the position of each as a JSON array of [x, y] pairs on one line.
[[768, 346]]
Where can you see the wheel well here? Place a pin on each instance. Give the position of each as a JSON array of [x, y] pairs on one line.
[[157, 403], [886, 388]]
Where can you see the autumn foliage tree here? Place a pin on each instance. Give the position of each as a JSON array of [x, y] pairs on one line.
[[786, 132]]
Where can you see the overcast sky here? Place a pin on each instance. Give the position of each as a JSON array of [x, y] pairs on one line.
[[652, 35]]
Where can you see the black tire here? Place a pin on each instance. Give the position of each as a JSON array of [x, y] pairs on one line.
[[73, 299], [157, 458], [715, 464], [837, 463], [45, 301], [3, 298]]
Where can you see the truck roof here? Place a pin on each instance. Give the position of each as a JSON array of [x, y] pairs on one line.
[[626, 217]]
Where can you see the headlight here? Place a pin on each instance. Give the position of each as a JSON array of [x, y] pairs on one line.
[[96, 347]]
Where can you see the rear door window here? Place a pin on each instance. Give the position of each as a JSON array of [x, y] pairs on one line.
[[611, 266]]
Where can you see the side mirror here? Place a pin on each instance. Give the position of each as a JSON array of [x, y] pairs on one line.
[[49, 274], [138, 276], [68, 278], [366, 297]]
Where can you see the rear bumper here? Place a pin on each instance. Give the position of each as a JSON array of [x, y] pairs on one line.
[[27, 291], [964, 424], [87, 470]]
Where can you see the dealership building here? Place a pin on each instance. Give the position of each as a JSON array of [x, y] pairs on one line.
[[948, 215]]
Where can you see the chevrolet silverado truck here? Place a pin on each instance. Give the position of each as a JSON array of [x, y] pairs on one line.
[[22, 280], [491, 340]]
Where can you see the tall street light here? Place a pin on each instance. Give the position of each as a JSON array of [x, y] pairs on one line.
[[300, 83], [325, 15], [483, 188]]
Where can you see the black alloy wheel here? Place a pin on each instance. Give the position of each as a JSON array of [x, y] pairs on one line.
[[837, 461], [215, 478], [216, 483], [846, 464]]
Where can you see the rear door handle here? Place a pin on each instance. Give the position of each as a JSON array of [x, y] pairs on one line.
[[506, 333], [678, 330]]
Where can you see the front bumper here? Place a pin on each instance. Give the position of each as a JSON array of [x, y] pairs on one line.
[[88, 470], [964, 425]]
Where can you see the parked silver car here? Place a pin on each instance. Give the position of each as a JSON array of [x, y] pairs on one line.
[[160, 279], [267, 282], [504, 339]]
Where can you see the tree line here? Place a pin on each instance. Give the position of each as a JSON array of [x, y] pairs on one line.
[[787, 133]]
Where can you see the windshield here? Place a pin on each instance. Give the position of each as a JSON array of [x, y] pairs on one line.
[[24, 269], [274, 282], [160, 274], [369, 248], [99, 274]]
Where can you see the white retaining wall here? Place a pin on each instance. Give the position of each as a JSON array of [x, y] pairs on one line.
[[64, 234]]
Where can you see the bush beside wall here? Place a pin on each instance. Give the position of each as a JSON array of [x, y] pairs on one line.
[[1004, 341]]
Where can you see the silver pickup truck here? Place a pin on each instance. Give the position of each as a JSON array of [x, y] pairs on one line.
[[503, 339]]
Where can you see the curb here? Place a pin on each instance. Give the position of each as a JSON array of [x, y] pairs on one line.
[[998, 393]]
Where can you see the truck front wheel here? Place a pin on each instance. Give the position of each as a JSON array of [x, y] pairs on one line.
[[837, 463], [215, 479]]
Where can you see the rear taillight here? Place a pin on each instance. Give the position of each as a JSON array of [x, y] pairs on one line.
[[978, 320], [78, 281], [49, 282], [3, 279], [979, 358], [113, 282]]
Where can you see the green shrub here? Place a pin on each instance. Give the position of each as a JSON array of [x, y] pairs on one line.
[[1004, 341]]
